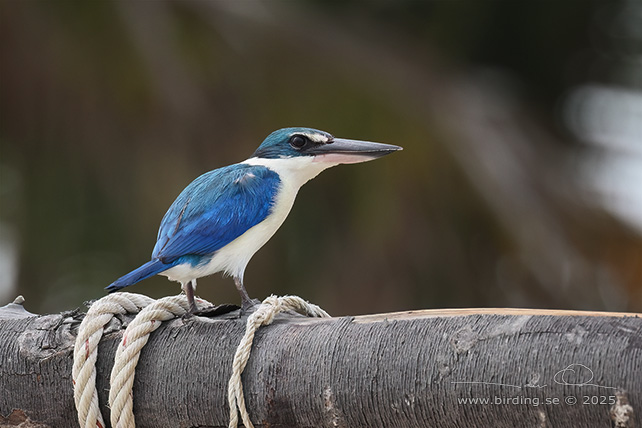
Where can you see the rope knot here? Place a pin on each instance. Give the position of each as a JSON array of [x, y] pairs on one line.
[[267, 310]]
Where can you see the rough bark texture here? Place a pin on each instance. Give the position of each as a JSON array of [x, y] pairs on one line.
[[414, 369]]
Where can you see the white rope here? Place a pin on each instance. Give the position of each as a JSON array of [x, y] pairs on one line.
[[86, 352], [264, 315], [135, 337]]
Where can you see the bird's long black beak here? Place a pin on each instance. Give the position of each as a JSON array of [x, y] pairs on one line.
[[341, 150]]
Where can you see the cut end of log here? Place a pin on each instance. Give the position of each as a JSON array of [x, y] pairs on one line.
[[15, 310]]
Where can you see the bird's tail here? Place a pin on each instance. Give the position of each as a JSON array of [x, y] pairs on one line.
[[150, 268]]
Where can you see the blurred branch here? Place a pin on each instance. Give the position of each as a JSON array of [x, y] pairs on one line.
[[484, 207], [490, 134], [151, 27]]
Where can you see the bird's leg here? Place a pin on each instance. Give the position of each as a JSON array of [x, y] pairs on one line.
[[246, 302], [189, 292]]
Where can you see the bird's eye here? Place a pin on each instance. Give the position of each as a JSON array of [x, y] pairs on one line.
[[298, 141]]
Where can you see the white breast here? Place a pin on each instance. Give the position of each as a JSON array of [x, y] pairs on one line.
[[234, 257]]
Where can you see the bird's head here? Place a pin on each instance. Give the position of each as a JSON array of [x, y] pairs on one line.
[[319, 147]]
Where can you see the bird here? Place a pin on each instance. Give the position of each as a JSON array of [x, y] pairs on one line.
[[223, 217]]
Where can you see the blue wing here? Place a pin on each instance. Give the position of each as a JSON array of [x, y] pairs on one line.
[[216, 208]]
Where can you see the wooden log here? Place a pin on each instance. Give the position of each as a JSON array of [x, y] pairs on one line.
[[441, 368]]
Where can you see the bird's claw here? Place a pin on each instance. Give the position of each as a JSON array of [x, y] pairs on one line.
[[248, 306]]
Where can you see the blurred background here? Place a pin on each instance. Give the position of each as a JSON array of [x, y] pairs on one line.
[[520, 183]]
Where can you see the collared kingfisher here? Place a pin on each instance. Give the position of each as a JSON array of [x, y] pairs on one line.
[[223, 217]]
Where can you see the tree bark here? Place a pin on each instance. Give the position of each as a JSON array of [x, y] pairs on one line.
[[439, 368]]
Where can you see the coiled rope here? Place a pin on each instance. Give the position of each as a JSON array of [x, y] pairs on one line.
[[135, 337], [263, 315], [86, 352]]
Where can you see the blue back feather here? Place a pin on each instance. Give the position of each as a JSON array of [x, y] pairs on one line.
[[216, 208]]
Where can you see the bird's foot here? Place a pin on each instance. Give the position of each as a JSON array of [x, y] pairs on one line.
[[248, 306], [193, 310]]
